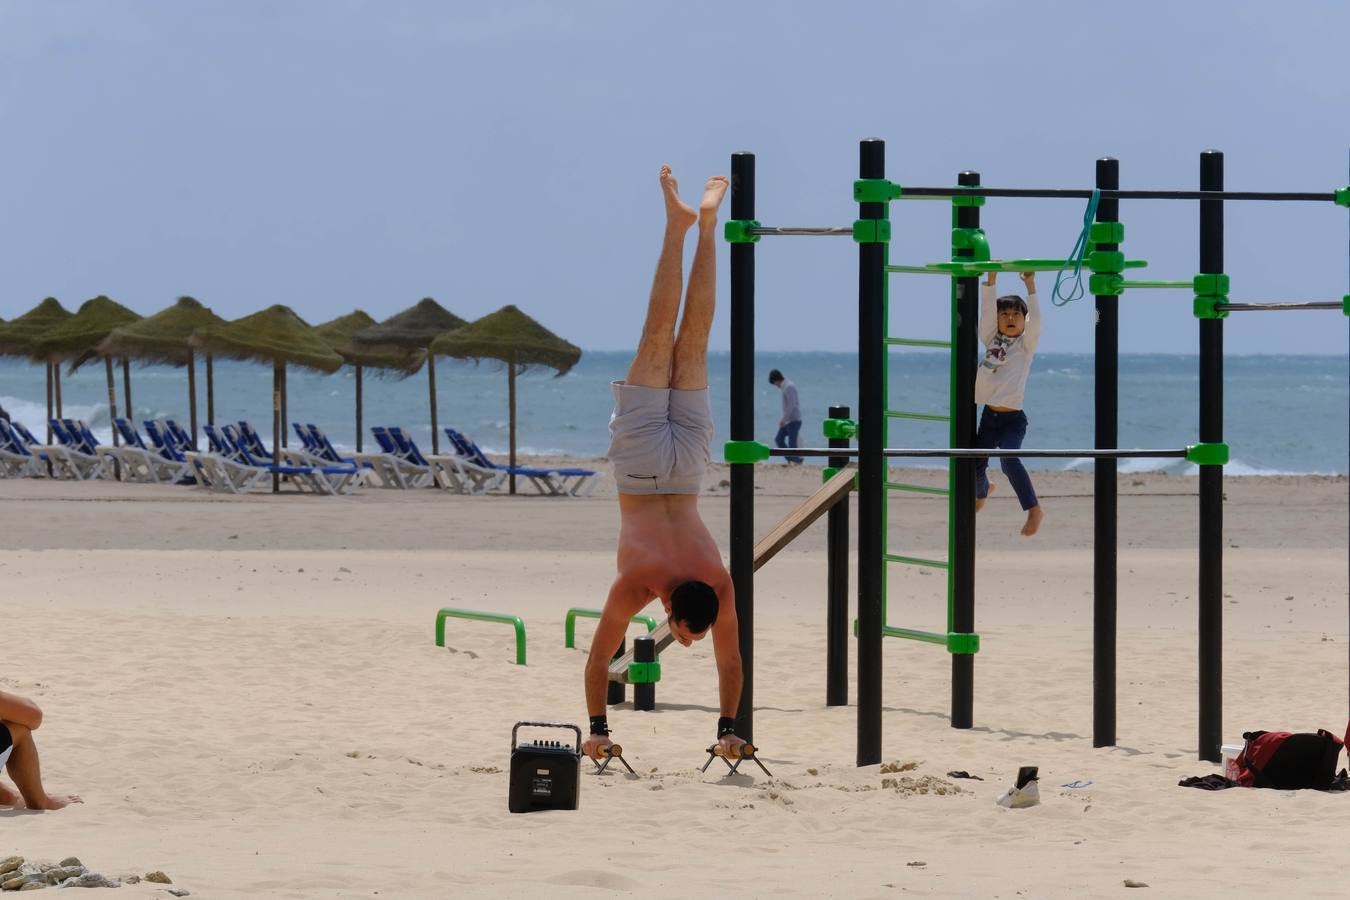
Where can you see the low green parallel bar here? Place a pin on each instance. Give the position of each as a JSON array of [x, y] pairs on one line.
[[923, 417], [917, 270], [917, 561], [570, 623], [912, 634], [916, 488], [917, 342], [515, 621]]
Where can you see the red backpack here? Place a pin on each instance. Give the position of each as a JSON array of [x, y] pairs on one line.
[[1281, 759]]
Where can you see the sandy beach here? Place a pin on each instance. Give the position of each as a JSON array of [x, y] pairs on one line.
[[246, 693]]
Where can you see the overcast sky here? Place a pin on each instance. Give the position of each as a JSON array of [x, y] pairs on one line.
[[335, 154]]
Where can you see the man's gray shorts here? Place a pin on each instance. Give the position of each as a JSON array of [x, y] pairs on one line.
[[659, 439]]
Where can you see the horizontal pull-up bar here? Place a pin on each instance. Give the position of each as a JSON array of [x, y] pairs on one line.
[[1309, 304], [1080, 194], [1211, 454], [829, 230]]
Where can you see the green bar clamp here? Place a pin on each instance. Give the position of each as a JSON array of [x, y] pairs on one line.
[[971, 239], [1207, 454], [831, 471], [1106, 261], [449, 613], [1211, 284], [1206, 306], [963, 644], [875, 190], [968, 199], [1106, 233], [1345, 304], [872, 231], [840, 429], [570, 623], [1343, 196], [644, 673], [737, 231], [745, 451], [1106, 284]]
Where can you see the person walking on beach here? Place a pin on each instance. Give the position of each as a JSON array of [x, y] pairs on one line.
[[1010, 329], [791, 423], [19, 718], [661, 431]]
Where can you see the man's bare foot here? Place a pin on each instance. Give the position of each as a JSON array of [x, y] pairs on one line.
[[678, 213], [979, 501], [713, 192], [57, 801], [1034, 517]]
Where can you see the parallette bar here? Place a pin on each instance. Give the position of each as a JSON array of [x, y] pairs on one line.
[[1307, 304], [826, 230], [977, 453], [1082, 194]]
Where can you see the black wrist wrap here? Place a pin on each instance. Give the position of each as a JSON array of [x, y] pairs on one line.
[[725, 725], [600, 725]]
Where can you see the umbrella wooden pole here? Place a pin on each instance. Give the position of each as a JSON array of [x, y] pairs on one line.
[[192, 395], [358, 409], [285, 421], [112, 397], [276, 425], [511, 406], [431, 388], [49, 411], [126, 386], [56, 376], [210, 390]]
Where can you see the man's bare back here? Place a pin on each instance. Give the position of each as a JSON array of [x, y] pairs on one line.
[[664, 543]]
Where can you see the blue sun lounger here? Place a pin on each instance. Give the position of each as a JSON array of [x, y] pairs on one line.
[[17, 460], [560, 482]]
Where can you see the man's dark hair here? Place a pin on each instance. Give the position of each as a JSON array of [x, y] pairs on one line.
[[775, 376], [694, 604], [1012, 301]]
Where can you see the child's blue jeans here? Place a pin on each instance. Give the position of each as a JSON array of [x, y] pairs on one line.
[[1004, 431]]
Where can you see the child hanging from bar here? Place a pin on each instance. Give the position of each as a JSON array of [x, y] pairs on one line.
[[1010, 328]]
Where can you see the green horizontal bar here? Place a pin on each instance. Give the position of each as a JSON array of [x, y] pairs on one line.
[[916, 270], [917, 561], [570, 623], [1188, 285], [916, 488], [922, 417], [912, 634], [448, 613], [917, 342]]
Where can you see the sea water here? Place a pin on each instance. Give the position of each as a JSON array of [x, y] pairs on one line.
[[1282, 414]]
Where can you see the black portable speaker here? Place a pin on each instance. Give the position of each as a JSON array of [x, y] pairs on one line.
[[544, 774]]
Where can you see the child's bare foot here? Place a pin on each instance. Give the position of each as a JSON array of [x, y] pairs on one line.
[[678, 213], [979, 501], [8, 797], [1034, 517], [713, 192], [57, 801]]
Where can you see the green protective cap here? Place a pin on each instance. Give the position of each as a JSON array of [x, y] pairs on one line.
[[872, 231], [1107, 261], [1106, 233], [964, 644], [1204, 307], [745, 451], [644, 673], [972, 239], [1207, 454], [737, 231], [842, 429], [1106, 284], [875, 190], [1212, 284], [1345, 304], [1343, 196]]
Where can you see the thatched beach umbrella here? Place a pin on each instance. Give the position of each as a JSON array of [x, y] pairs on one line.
[[387, 359], [77, 337], [162, 339], [276, 336], [414, 329], [20, 337], [518, 341]]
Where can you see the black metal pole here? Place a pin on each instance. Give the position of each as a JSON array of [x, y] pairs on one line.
[[1104, 508], [644, 693], [871, 464], [742, 527], [1211, 477], [962, 550], [617, 692], [836, 580]]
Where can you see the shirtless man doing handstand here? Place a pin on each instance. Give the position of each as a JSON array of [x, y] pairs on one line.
[[661, 432]]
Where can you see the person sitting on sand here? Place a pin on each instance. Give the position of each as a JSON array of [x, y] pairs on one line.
[[661, 431], [19, 718]]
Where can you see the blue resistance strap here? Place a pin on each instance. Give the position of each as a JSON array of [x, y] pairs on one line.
[[1073, 268]]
